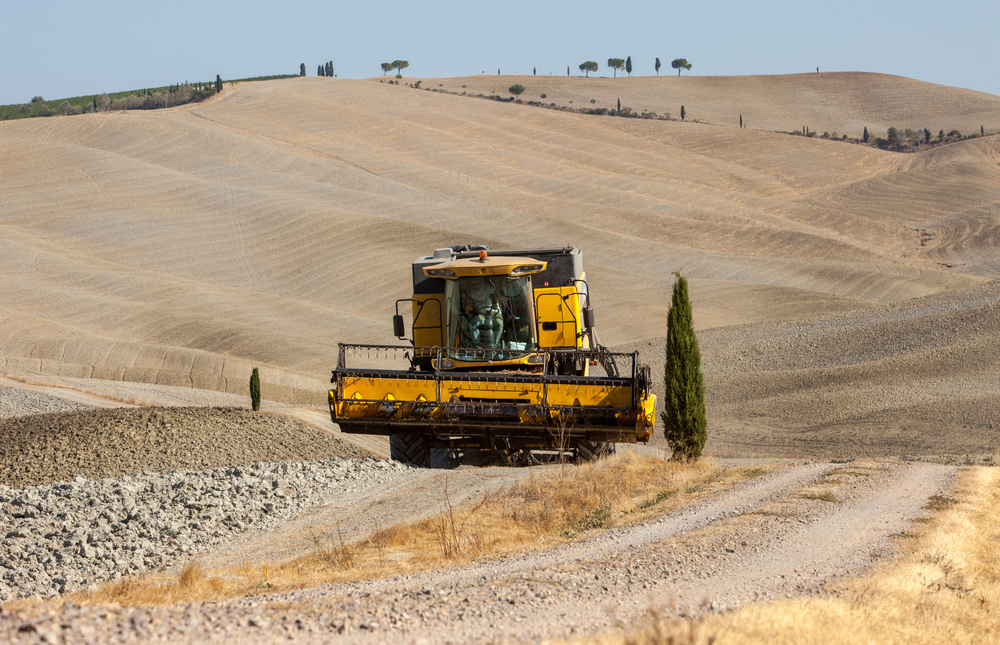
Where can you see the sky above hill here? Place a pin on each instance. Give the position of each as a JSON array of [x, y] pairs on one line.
[[60, 49]]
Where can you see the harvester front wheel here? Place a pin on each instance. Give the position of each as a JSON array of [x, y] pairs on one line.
[[592, 450], [415, 449], [411, 448]]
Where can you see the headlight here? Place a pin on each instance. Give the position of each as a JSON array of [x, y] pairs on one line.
[[526, 268], [440, 273], [536, 359]]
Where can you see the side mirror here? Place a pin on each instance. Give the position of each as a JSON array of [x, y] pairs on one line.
[[588, 317], [398, 328]]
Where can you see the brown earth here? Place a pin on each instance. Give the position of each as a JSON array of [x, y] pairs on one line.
[[842, 294], [785, 534], [42, 449], [183, 247]]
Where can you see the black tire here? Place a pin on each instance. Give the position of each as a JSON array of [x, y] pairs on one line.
[[415, 449], [592, 450], [441, 459], [411, 448]]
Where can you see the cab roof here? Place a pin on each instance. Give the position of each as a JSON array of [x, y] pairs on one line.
[[485, 265]]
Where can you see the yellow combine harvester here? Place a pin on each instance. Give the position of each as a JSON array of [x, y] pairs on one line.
[[503, 357]]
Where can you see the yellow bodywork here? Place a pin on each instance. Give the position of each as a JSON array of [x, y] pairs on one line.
[[417, 400]]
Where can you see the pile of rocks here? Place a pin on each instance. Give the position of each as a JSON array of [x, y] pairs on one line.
[[15, 402], [65, 537]]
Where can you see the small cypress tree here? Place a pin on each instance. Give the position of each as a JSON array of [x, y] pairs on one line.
[[865, 135], [683, 113], [255, 390], [319, 71], [218, 83], [619, 106], [628, 67], [534, 71], [741, 122], [657, 66], [982, 132], [302, 69], [567, 70], [684, 423]]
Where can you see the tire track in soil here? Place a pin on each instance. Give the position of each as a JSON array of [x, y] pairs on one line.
[[685, 563]]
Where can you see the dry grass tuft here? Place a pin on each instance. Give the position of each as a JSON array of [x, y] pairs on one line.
[[945, 589], [157, 589], [548, 507]]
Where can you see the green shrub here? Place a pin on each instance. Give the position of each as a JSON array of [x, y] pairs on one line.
[[255, 390], [543, 96], [684, 420]]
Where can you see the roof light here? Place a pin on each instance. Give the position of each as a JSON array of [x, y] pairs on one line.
[[482, 256], [523, 269], [440, 273]]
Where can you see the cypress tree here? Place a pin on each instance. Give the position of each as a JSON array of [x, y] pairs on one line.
[[218, 83], [683, 113], [865, 135], [255, 390], [684, 423]]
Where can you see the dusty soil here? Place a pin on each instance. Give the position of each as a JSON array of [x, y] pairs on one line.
[[841, 294], [788, 533], [41, 449], [911, 380], [191, 246]]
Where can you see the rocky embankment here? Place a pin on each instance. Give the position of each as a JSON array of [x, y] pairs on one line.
[[67, 536], [92, 495]]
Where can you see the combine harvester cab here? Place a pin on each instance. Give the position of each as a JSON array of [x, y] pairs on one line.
[[503, 359]]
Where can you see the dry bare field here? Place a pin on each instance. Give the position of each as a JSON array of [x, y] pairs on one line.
[[183, 247], [846, 301]]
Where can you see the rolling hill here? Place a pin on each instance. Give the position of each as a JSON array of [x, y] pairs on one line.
[[185, 246]]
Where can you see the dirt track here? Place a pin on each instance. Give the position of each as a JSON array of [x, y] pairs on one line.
[[841, 294], [767, 538]]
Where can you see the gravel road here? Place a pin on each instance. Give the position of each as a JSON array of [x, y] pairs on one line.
[[784, 534]]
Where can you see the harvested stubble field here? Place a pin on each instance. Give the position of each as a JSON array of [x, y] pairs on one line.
[[845, 297]]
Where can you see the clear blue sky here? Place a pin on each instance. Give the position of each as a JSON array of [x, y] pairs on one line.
[[59, 49]]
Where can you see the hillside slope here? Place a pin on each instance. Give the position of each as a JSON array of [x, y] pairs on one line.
[[261, 228]]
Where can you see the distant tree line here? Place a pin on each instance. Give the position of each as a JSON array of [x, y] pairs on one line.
[[626, 63], [144, 99], [895, 139]]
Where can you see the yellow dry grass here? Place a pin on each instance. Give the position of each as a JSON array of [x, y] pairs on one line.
[[945, 589], [549, 507]]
